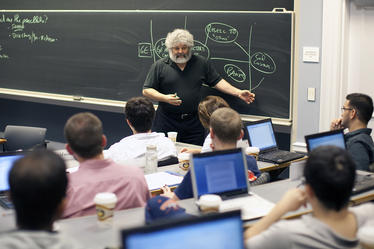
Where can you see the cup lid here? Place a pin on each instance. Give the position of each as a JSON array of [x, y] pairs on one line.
[[184, 156], [252, 150], [365, 234], [209, 200], [105, 198]]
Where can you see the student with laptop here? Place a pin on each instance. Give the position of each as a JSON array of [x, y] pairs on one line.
[[225, 130], [356, 113], [329, 177], [84, 134], [38, 185], [261, 135], [140, 112]]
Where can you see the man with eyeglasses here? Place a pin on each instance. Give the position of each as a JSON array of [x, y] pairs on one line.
[[356, 113], [176, 82]]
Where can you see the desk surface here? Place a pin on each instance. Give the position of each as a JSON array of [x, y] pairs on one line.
[[87, 232]]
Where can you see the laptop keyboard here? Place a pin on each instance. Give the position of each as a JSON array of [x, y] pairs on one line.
[[363, 183], [279, 156], [5, 202]]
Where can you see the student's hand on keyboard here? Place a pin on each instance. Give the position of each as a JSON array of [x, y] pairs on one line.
[[292, 200], [167, 192]]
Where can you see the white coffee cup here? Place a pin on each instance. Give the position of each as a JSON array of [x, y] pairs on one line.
[[252, 151], [105, 203], [366, 237], [184, 162], [209, 203], [172, 135]]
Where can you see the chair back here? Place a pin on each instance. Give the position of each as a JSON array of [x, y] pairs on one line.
[[23, 137]]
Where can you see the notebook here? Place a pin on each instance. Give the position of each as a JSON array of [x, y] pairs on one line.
[[335, 137], [6, 162], [215, 231], [225, 173], [261, 134]]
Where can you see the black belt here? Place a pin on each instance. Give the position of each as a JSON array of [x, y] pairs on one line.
[[180, 116]]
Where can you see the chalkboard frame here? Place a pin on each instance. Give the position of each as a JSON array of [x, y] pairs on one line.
[[96, 102]]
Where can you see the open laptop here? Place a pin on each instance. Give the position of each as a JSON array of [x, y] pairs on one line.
[[335, 137], [261, 134], [7, 160], [215, 231], [363, 181], [225, 173]]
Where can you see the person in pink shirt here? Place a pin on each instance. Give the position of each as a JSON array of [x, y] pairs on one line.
[[85, 141]]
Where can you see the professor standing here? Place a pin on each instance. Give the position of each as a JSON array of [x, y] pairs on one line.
[[176, 81]]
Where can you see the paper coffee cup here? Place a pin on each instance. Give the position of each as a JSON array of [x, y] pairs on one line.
[[105, 204], [366, 237], [184, 162], [209, 203], [252, 151], [172, 135]]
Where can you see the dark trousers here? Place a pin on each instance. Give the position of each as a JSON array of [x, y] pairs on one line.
[[188, 126]]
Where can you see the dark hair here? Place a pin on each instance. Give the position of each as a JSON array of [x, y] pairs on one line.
[[207, 106], [83, 132], [330, 172], [363, 104], [226, 124], [140, 112], [38, 184]]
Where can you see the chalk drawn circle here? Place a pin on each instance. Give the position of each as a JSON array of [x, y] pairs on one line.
[[201, 49], [263, 63], [235, 73], [160, 49], [220, 32]]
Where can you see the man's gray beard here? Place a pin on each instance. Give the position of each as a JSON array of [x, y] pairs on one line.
[[180, 60]]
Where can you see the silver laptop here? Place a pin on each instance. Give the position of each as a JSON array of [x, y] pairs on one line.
[[7, 160], [261, 134], [225, 173]]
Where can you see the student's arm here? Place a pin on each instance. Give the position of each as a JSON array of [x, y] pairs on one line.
[[226, 87], [168, 193], [291, 201]]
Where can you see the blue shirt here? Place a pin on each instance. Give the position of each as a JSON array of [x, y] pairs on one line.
[[184, 190]]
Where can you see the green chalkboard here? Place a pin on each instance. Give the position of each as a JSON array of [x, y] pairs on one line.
[[106, 54]]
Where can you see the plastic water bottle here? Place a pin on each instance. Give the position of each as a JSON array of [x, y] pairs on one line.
[[150, 159]]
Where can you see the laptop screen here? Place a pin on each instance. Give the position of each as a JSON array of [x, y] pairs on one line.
[[261, 135], [325, 138], [219, 172], [216, 232], [6, 163]]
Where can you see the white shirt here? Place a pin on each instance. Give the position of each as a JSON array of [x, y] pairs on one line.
[[131, 150], [208, 140]]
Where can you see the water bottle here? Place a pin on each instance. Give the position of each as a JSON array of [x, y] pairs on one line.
[[150, 159]]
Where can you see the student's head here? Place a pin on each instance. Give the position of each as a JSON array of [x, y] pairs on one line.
[[179, 42], [140, 113], [226, 125], [330, 173], [84, 134], [38, 184], [357, 105], [207, 106]]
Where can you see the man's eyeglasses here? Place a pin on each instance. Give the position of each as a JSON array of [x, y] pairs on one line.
[[346, 109]]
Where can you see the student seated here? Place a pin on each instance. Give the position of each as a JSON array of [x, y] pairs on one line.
[[38, 185], [139, 112], [84, 134], [225, 131], [356, 113], [329, 178]]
